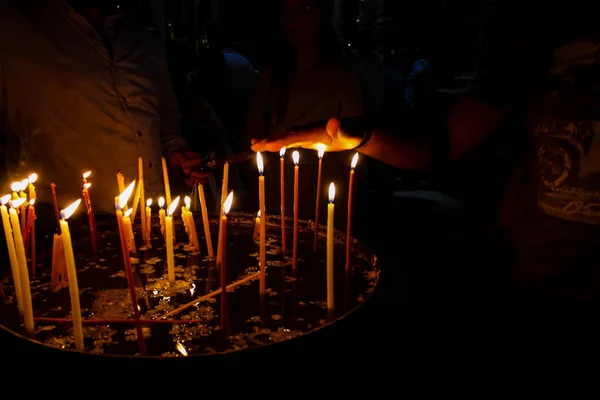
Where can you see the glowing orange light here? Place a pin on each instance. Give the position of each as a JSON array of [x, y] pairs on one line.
[[67, 212]]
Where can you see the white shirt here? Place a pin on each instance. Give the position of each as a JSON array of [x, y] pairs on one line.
[[67, 105]]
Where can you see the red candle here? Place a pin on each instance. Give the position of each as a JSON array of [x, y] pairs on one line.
[[90, 211], [31, 235], [53, 187], [349, 220], [282, 187], [296, 158], [321, 152]]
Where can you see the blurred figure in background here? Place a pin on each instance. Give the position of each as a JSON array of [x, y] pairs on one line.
[[305, 81]]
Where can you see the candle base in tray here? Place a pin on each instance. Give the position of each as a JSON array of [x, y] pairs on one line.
[[183, 319]]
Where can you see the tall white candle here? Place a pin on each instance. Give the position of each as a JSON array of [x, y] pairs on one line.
[[12, 254], [22, 261], [169, 240], [72, 274]]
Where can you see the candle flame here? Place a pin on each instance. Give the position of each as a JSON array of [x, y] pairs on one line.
[[354, 161], [161, 202], [87, 185], [282, 152], [228, 202], [31, 202], [259, 163], [15, 186], [148, 202], [296, 157], [331, 192], [321, 149], [32, 178], [187, 202], [24, 184], [87, 174], [258, 214], [128, 213], [173, 206], [181, 349], [5, 199], [124, 197], [17, 203], [67, 212]]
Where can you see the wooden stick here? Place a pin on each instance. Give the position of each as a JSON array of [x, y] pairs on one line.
[[211, 294]]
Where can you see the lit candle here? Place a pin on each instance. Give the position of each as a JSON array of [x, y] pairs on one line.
[[205, 221], [330, 207], [169, 240], [224, 188], [349, 220], [161, 216], [142, 197], [166, 180], [136, 200], [321, 153], [263, 223], [15, 187], [120, 203], [12, 254], [296, 158], [22, 261], [55, 201], [128, 230], [87, 200], [32, 178], [282, 190], [121, 184], [223, 264], [148, 236], [23, 208], [31, 235], [193, 236], [72, 274], [256, 227]]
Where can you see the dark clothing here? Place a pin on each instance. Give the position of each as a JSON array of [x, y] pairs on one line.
[[546, 73]]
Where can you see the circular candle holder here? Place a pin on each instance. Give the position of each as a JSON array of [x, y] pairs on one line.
[[184, 320]]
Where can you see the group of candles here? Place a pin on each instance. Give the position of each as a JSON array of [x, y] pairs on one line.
[[260, 229], [20, 234]]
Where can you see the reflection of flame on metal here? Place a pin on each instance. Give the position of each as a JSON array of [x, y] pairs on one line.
[[331, 192], [17, 203], [282, 152], [187, 202], [173, 206], [193, 289], [228, 202], [155, 292], [67, 212], [5, 199], [139, 308], [161, 202], [32, 178], [182, 349]]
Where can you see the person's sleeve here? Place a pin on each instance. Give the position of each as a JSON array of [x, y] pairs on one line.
[[170, 116]]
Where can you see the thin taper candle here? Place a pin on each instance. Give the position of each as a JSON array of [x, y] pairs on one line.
[[349, 219], [224, 188], [169, 240], [72, 275], [166, 180], [330, 208], [263, 225], [282, 190], [209, 245], [296, 158], [12, 254], [223, 259], [321, 153]]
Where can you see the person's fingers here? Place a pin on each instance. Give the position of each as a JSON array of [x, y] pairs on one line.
[[190, 163], [252, 141]]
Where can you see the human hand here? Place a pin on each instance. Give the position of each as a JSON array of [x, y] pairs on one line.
[[331, 135], [184, 162]]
